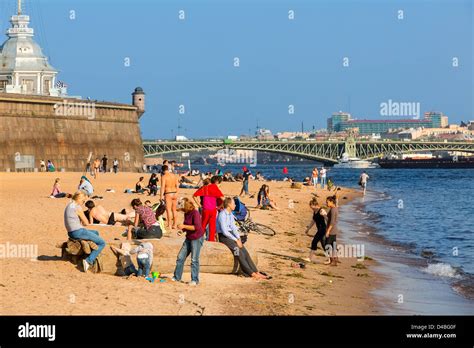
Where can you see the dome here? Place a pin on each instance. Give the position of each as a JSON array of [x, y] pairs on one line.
[[20, 52]]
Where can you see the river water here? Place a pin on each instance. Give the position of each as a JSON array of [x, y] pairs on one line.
[[417, 223]]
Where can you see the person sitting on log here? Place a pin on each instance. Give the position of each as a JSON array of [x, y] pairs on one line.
[[99, 213], [73, 216], [229, 235], [147, 216]]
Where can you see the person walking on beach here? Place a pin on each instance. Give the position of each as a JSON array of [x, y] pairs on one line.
[[73, 216], [104, 163], [319, 219], [245, 183], [229, 235], [363, 181], [192, 225], [314, 177], [210, 194], [331, 232], [322, 172], [96, 168], [169, 193], [115, 165]]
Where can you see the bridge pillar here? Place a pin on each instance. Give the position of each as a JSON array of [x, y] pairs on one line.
[[350, 147]]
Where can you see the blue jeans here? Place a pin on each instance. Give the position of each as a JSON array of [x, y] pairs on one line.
[[323, 182], [192, 247], [144, 267], [246, 187], [91, 235]]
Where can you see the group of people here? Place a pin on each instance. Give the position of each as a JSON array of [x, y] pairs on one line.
[[100, 165], [208, 216], [325, 220], [210, 210], [47, 167], [321, 174]]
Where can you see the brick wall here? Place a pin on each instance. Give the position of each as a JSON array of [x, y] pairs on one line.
[[33, 126]]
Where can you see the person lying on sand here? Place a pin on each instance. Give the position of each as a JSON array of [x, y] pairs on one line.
[[99, 213], [229, 235]]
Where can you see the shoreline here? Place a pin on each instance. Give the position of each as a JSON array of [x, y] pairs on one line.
[[405, 273], [53, 286]]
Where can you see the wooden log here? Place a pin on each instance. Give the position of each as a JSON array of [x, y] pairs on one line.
[[214, 258]]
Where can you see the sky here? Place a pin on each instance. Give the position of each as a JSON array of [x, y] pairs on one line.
[[310, 57]]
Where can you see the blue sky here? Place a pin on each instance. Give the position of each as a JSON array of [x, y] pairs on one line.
[[283, 62]]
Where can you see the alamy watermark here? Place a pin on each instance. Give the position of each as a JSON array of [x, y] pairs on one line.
[[67, 108], [393, 108], [226, 156], [26, 251], [345, 251]]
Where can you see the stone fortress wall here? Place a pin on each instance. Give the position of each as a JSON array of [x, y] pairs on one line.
[[67, 130]]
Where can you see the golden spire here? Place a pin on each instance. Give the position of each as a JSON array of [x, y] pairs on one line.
[[19, 7]]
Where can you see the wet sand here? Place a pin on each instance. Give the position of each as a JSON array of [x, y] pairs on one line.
[[53, 286]]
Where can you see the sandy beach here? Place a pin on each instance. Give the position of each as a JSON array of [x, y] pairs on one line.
[[53, 286]]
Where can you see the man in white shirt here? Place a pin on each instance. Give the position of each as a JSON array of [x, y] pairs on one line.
[[322, 172]]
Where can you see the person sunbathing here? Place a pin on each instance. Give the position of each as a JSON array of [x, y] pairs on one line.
[[267, 201], [99, 213], [57, 193], [140, 186]]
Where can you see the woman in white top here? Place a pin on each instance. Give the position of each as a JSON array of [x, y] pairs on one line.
[[73, 216]]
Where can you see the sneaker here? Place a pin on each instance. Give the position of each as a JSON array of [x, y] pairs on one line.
[[85, 265], [193, 283], [174, 279]]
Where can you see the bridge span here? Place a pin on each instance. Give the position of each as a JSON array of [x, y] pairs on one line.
[[323, 151]]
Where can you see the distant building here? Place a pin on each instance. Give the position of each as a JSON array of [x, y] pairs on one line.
[[343, 122], [336, 119], [470, 125], [437, 118], [264, 134]]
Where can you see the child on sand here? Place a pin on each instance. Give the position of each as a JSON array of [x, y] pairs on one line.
[[192, 225], [319, 219], [144, 258], [125, 259]]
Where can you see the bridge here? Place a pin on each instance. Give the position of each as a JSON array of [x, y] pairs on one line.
[[322, 151]]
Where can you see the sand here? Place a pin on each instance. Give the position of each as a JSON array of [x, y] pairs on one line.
[[52, 286]]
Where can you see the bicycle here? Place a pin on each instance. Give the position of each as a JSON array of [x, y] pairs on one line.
[[246, 226]]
